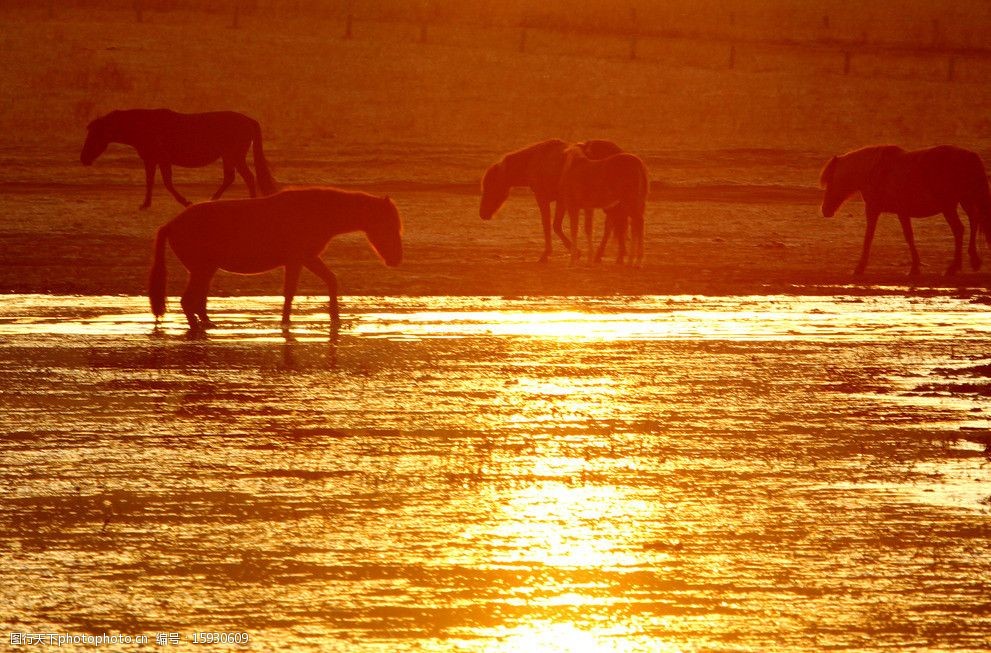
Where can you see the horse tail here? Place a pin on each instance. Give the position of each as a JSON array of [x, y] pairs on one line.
[[262, 172], [156, 279], [982, 199]]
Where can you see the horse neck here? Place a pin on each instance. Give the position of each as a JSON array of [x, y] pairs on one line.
[[518, 165], [350, 211], [125, 129], [863, 166], [515, 167]]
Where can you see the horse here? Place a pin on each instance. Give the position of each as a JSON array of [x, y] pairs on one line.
[[538, 167], [289, 229], [913, 184], [164, 138], [618, 184]]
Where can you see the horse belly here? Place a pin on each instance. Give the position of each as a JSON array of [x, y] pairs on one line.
[[240, 265], [193, 157]]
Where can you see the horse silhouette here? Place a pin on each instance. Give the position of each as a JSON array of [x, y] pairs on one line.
[[538, 167], [164, 138], [289, 229], [914, 184], [618, 184]]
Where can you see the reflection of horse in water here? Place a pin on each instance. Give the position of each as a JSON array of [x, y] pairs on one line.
[[539, 167], [165, 138], [618, 184], [913, 184], [289, 229]]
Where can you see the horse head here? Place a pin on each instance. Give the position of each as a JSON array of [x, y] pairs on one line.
[[385, 232], [97, 138], [837, 184], [495, 190]]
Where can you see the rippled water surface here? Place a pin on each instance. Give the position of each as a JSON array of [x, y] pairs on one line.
[[517, 474]]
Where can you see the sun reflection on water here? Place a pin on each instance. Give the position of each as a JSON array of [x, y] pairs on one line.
[[566, 637], [508, 475]]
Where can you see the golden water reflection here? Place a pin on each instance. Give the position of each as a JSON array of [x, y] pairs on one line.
[[486, 474]]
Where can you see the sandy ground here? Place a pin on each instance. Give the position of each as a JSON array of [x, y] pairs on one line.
[[93, 241]]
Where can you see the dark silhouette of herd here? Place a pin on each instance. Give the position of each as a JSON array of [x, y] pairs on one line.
[[291, 228]]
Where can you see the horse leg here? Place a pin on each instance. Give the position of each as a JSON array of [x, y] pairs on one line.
[[906, 223], [868, 238], [228, 180], [149, 182], [622, 222], [607, 229], [545, 220], [573, 217], [559, 211], [589, 230], [194, 296], [973, 212], [247, 176], [289, 291], [201, 304], [956, 226], [167, 180], [317, 267]]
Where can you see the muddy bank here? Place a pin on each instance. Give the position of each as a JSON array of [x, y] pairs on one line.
[[95, 241]]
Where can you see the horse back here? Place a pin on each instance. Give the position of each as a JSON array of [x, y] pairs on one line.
[[599, 149], [247, 235], [620, 178], [188, 139], [929, 181]]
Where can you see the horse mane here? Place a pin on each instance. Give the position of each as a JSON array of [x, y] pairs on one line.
[[516, 161], [827, 172], [869, 159]]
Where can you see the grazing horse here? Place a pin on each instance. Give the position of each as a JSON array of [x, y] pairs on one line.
[[289, 229], [538, 167], [912, 184], [618, 184], [165, 138]]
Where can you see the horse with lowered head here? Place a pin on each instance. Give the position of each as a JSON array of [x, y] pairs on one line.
[[538, 167], [164, 138], [617, 184], [913, 184], [289, 229]]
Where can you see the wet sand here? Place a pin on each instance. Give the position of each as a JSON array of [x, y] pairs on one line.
[[472, 473], [91, 240]]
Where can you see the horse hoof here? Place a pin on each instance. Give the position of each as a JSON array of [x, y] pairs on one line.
[[207, 324], [144, 207], [543, 258]]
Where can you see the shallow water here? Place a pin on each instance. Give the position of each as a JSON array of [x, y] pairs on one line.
[[484, 474]]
